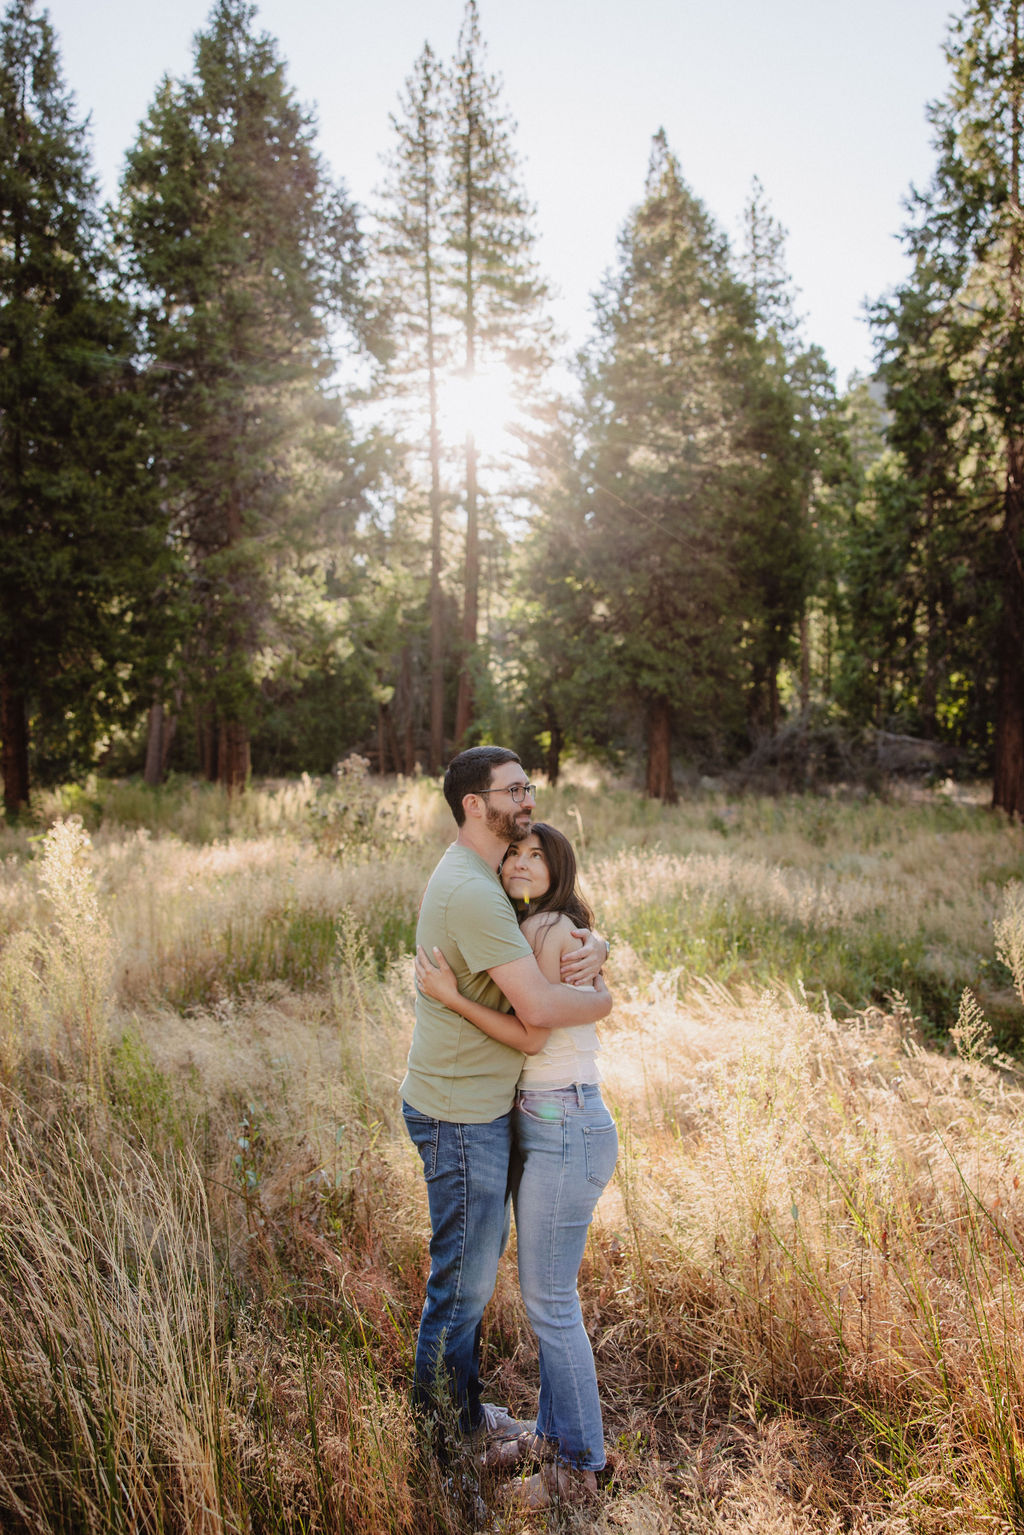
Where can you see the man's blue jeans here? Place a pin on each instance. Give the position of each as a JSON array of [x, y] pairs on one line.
[[467, 1173]]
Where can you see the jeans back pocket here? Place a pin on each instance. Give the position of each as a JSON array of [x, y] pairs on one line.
[[601, 1145]]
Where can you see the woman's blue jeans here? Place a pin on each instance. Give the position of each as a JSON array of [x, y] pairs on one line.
[[467, 1173], [567, 1144]]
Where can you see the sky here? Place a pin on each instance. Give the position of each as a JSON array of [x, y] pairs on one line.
[[824, 102]]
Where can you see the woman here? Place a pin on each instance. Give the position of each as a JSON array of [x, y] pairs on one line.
[[567, 1144]]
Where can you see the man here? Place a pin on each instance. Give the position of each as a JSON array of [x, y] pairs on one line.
[[459, 1088]]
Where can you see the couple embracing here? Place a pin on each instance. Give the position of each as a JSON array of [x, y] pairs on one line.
[[502, 1103]]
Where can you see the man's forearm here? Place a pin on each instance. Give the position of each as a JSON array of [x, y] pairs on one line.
[[563, 1007]]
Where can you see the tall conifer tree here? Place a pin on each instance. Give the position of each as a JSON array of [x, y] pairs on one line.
[[244, 252], [794, 401], [411, 269], [78, 526], [967, 239], [464, 299], [675, 469], [916, 620], [496, 294]]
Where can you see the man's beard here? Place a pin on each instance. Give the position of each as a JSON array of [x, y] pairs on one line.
[[503, 824]]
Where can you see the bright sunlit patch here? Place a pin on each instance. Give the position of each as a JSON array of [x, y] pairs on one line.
[[484, 405]]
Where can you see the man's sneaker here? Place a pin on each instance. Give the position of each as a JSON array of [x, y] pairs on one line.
[[464, 1492], [505, 1439]]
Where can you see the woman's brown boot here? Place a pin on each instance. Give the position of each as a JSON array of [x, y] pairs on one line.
[[555, 1483]]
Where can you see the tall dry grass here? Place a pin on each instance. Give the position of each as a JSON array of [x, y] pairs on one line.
[[56, 978], [802, 1286]]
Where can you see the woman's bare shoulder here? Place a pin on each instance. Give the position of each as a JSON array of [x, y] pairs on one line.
[[544, 927]]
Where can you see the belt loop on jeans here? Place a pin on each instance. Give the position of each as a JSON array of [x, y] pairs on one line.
[[580, 1101]]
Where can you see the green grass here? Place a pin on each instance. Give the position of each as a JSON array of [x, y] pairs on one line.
[[852, 966]]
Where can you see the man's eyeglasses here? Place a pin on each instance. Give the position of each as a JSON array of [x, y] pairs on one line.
[[518, 791]]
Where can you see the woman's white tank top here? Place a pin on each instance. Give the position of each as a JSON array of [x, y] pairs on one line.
[[570, 1056]]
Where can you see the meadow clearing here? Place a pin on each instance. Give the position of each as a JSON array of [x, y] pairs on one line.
[[805, 1285]]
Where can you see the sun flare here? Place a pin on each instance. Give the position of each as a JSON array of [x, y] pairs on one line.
[[482, 405]]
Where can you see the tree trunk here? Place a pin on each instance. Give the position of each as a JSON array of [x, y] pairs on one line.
[[382, 742], [436, 752], [170, 730], [1008, 777], [13, 747], [553, 761], [160, 733], [470, 602], [233, 758], [206, 742], [388, 759], [153, 772], [409, 748], [760, 701], [660, 783], [932, 662], [805, 663], [406, 693], [233, 754]]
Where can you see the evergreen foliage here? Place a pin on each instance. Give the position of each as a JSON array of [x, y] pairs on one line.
[[466, 299], [790, 400], [710, 550], [919, 587], [410, 260], [246, 256], [80, 529], [952, 513], [674, 390]]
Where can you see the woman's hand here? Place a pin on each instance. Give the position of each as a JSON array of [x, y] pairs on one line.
[[437, 980], [583, 965]]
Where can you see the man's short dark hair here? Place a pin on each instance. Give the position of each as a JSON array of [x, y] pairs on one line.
[[470, 772]]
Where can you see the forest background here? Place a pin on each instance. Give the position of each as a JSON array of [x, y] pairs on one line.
[[225, 554]]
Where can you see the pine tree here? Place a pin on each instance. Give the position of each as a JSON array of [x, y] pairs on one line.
[[245, 254], [762, 264], [410, 266], [78, 522], [561, 670], [675, 470], [496, 295], [795, 405], [916, 621], [463, 299], [967, 240]]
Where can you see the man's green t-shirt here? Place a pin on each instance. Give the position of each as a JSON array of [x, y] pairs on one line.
[[456, 1072]]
